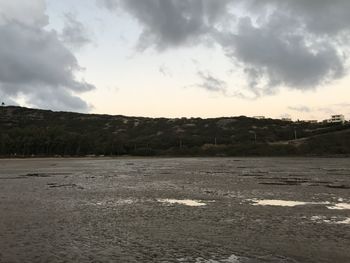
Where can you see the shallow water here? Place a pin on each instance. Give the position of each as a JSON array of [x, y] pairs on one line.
[[288, 203], [192, 203], [331, 220], [340, 206], [175, 210], [280, 203]]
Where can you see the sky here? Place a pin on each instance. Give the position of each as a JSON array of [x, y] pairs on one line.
[[177, 58]]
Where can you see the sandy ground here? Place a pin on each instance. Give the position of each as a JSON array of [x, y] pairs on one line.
[[175, 210]]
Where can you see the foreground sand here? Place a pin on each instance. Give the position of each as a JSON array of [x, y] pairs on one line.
[[175, 210]]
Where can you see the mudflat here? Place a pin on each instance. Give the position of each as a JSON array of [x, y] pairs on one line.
[[175, 210]]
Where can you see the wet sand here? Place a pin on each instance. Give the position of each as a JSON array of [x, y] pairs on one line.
[[175, 210]]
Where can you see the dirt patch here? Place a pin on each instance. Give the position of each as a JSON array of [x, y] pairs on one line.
[[56, 185], [338, 186], [36, 175]]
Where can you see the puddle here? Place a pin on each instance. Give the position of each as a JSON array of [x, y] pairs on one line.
[[36, 175], [283, 203], [345, 221], [231, 259], [340, 206], [187, 202], [112, 203], [56, 185], [238, 259], [332, 220], [287, 203], [43, 175]]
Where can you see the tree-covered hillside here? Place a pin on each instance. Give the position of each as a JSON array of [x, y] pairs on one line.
[[32, 132]]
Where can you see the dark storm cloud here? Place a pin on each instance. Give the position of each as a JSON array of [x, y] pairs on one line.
[[74, 33], [109, 4], [271, 53], [171, 23], [279, 44], [62, 100], [316, 16], [36, 66], [295, 43]]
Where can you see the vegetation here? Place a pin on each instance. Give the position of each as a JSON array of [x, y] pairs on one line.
[[32, 132]]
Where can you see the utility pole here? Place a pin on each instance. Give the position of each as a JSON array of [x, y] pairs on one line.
[[215, 141], [255, 137]]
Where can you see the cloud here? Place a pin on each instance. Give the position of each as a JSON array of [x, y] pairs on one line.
[[338, 108], [74, 34], [280, 58], [30, 13], [342, 105], [109, 4], [35, 64], [171, 23], [285, 116], [63, 100], [165, 71], [211, 83], [316, 16], [300, 108], [326, 110], [6, 99], [292, 43]]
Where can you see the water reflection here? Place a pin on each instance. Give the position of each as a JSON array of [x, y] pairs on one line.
[[186, 202], [340, 206], [331, 220], [286, 203]]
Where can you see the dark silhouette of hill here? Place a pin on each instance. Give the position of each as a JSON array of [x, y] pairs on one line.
[[34, 132]]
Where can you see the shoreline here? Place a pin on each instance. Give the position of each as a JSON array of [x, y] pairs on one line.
[[173, 157]]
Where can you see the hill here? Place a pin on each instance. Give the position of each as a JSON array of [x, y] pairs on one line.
[[33, 132]]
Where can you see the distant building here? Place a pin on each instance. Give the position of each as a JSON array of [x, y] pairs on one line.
[[286, 119], [259, 117], [337, 119]]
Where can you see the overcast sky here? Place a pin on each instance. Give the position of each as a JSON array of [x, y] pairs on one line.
[[177, 58]]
